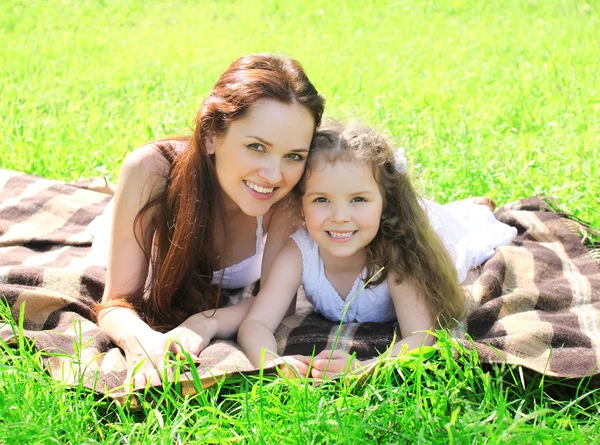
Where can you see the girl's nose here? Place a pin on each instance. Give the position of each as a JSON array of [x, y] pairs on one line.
[[341, 214]]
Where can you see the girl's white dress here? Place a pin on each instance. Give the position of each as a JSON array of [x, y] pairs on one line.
[[470, 233]]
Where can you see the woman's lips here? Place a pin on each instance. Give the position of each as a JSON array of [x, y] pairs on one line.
[[251, 187]]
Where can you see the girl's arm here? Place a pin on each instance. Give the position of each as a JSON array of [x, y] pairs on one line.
[[414, 318], [281, 225], [271, 305], [225, 322], [220, 323]]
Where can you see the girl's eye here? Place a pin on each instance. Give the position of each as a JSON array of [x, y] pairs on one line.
[[320, 199], [256, 147], [359, 199], [295, 157]]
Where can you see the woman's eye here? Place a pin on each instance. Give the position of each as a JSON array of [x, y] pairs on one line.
[[359, 199], [321, 199], [295, 157], [256, 146]]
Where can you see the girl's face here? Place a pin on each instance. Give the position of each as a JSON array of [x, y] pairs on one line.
[[342, 207], [261, 157]]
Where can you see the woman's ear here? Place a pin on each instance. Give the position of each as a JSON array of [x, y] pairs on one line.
[[210, 142]]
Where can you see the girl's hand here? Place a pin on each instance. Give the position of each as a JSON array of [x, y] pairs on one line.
[[152, 351], [298, 362], [329, 363]]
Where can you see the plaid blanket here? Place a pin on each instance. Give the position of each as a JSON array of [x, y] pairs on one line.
[[535, 303]]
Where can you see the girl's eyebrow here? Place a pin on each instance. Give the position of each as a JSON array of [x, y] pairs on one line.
[[364, 192], [269, 144]]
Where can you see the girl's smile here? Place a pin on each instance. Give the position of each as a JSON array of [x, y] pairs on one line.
[[342, 207], [341, 237]]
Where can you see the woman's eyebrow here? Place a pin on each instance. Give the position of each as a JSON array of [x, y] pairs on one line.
[[261, 140], [269, 144]]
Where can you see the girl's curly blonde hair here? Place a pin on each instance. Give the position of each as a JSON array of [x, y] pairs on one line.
[[405, 243]]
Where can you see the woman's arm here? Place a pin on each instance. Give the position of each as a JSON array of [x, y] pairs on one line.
[[271, 304], [414, 319], [142, 177]]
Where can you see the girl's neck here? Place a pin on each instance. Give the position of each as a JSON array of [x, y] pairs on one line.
[[352, 264]]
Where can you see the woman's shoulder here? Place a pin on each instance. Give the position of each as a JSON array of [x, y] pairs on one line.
[[155, 157], [146, 169]]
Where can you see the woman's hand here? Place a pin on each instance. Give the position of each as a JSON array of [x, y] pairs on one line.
[[329, 363], [156, 352]]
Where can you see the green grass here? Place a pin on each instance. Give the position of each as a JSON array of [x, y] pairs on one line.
[[440, 399], [495, 98], [490, 98]]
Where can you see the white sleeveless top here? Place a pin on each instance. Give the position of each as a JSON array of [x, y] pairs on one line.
[[247, 271], [236, 276], [373, 304]]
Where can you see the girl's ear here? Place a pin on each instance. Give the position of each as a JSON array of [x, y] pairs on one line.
[[210, 142]]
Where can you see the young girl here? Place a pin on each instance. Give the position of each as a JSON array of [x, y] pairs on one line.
[[361, 214]]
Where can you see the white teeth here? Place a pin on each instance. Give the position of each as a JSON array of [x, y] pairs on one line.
[[258, 188], [341, 234]]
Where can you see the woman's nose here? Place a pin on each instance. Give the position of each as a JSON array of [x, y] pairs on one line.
[[271, 171]]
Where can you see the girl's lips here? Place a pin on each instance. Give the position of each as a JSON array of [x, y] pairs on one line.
[[259, 195], [341, 239]]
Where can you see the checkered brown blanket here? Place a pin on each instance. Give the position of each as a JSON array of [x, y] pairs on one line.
[[535, 303]]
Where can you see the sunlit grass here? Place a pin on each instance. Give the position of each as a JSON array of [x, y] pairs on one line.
[[490, 98], [494, 98]]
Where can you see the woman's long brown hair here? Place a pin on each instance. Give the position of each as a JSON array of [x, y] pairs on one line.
[[405, 244], [183, 225]]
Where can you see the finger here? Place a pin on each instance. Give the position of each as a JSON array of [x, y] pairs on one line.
[[153, 376], [318, 374], [333, 365], [301, 367], [302, 358], [323, 354], [196, 347], [139, 381]]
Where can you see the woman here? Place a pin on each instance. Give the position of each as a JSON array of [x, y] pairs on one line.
[[194, 212]]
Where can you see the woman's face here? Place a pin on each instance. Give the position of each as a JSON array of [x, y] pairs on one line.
[[261, 157]]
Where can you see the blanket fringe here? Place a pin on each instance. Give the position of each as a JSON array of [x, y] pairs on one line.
[[590, 237]]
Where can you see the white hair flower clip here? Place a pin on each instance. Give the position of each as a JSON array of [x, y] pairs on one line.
[[400, 162]]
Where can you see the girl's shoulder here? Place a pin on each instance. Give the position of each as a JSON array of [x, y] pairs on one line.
[[303, 240]]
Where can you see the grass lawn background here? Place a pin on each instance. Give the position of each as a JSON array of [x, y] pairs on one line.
[[490, 98]]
